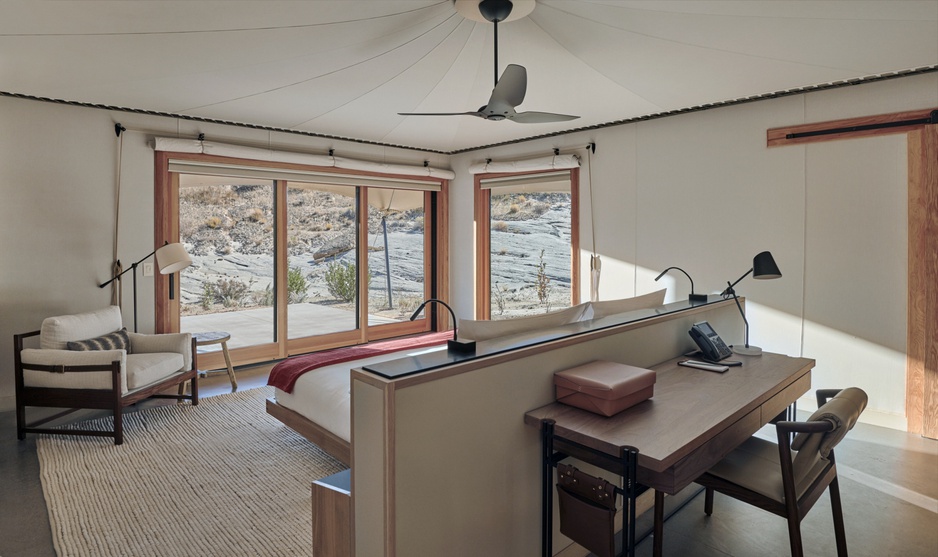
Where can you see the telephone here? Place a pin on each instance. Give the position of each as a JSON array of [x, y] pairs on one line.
[[710, 343]]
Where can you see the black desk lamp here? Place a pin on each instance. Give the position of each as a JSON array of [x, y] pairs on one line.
[[451, 345], [692, 297], [763, 267], [169, 258]]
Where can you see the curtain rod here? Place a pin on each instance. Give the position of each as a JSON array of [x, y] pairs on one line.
[[930, 119]]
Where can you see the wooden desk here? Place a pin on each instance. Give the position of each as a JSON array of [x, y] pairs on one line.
[[694, 419]]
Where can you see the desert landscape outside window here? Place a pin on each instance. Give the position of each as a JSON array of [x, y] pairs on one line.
[[528, 253], [294, 259], [227, 226]]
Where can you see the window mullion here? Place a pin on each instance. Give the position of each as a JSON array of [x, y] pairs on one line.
[[362, 261], [281, 298]]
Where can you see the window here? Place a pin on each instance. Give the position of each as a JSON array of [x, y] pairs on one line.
[[295, 259], [527, 248]]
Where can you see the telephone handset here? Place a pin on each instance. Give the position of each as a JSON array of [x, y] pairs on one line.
[[710, 343]]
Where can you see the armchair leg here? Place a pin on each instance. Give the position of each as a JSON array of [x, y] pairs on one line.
[[195, 390], [837, 510], [20, 421], [708, 501], [119, 426]]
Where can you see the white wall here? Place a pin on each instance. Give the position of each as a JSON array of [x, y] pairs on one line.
[[702, 191], [58, 168], [699, 191]]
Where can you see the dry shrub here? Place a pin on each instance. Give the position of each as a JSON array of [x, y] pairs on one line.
[[257, 215]]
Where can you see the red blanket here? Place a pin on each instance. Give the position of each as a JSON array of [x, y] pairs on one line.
[[284, 374]]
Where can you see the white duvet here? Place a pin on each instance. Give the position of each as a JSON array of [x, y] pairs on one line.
[[324, 396]]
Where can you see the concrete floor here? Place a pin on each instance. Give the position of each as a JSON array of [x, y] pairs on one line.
[[889, 485]]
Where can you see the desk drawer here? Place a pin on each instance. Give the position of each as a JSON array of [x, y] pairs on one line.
[[699, 461], [775, 405]]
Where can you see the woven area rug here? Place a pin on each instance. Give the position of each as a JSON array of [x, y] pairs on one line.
[[220, 478]]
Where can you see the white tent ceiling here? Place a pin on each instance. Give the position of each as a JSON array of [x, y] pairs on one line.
[[345, 68]]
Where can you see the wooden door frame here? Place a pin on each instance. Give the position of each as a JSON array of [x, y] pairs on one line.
[[166, 229], [921, 400], [922, 351]]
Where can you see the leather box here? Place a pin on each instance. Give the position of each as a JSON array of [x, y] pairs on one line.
[[603, 387]]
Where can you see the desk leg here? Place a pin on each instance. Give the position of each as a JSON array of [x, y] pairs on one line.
[[629, 460], [657, 548], [547, 488], [231, 374]]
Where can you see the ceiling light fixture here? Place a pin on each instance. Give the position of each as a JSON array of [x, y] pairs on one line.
[[509, 91]]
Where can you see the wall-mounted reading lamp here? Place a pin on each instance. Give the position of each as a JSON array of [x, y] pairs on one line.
[[763, 267], [169, 258], [453, 345], [692, 297]]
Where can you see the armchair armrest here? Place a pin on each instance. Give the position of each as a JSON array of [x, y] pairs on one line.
[[180, 343]]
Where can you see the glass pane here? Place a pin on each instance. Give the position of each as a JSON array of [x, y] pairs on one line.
[[530, 253], [322, 256], [227, 226], [396, 258]]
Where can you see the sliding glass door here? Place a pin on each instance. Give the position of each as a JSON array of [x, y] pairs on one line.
[[227, 226], [397, 254], [293, 261], [322, 259]]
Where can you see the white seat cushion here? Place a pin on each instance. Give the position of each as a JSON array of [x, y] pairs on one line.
[[144, 369], [77, 380]]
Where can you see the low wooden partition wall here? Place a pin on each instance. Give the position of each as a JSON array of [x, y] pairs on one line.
[[442, 461]]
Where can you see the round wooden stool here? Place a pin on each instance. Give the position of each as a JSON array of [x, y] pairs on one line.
[[218, 337]]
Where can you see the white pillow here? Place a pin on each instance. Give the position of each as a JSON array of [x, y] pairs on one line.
[[612, 307], [55, 332], [471, 329]]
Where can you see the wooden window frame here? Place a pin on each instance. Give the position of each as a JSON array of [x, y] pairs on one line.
[[483, 222]]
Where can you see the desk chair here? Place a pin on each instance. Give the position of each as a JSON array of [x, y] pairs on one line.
[[788, 478]]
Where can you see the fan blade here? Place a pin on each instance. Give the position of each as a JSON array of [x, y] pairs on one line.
[[511, 88], [532, 117], [477, 114]]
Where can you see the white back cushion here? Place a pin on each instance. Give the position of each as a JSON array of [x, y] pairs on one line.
[[57, 331], [612, 307], [471, 329]]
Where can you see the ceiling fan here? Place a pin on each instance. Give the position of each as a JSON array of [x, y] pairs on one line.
[[510, 89]]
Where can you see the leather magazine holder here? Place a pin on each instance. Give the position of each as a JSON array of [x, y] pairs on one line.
[[587, 509]]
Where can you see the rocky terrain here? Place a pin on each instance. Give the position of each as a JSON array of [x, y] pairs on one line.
[[228, 231]]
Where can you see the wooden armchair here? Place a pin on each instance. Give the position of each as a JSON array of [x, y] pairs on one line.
[[786, 483], [89, 361]]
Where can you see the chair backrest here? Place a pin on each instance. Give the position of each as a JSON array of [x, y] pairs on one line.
[[842, 412], [56, 332]]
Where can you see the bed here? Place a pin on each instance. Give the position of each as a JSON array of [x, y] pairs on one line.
[[312, 391]]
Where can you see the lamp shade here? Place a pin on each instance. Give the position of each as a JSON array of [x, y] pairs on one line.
[[171, 258], [764, 267]]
